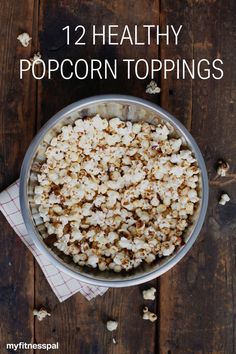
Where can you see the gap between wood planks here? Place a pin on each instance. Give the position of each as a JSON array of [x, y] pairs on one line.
[[35, 30]]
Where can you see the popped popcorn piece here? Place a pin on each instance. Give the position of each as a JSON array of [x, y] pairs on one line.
[[152, 88], [92, 261], [150, 316], [24, 39], [112, 325], [149, 294], [35, 58], [167, 249], [41, 314], [224, 199], [222, 168], [113, 201], [114, 340]]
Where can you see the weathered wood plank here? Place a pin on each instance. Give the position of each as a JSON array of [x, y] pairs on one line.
[[197, 297], [174, 92], [17, 125], [77, 324], [53, 45]]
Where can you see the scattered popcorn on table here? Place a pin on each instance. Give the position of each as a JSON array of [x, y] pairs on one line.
[[149, 294], [224, 199], [114, 341], [112, 325], [41, 314], [150, 316], [152, 88], [117, 194], [35, 58], [24, 39], [222, 168]]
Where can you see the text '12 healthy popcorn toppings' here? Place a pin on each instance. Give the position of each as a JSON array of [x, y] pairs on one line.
[[115, 194]]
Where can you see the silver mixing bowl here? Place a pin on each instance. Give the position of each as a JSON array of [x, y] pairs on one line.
[[108, 106]]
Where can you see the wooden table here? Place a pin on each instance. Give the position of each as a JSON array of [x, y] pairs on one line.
[[196, 300]]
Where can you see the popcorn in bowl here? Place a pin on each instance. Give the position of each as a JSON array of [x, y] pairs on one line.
[[115, 194]]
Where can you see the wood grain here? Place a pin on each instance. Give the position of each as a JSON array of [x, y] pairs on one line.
[[176, 95], [53, 45], [79, 325], [197, 297], [17, 126]]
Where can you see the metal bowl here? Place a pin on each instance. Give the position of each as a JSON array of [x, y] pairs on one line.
[[108, 106]]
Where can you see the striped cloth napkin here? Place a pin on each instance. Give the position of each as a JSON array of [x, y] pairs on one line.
[[62, 284]]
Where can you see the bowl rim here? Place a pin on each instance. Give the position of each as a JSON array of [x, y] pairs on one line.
[[24, 174]]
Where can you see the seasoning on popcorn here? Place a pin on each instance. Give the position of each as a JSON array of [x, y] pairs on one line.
[[117, 194]]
